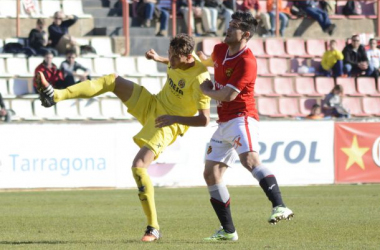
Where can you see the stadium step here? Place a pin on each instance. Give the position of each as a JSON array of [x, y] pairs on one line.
[[99, 3], [101, 12]]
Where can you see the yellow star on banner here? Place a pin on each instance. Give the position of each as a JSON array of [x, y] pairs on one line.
[[355, 154]]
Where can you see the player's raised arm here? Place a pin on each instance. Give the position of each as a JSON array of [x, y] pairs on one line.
[[152, 55], [206, 61], [200, 120]]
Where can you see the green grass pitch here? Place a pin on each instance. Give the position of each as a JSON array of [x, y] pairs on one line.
[[326, 217]]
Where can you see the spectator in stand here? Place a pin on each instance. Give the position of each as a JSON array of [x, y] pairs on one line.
[[322, 17], [50, 72], [271, 8], [72, 71], [332, 104], [373, 55], [315, 113], [213, 9], [253, 6], [146, 11], [165, 7], [38, 39], [59, 33], [355, 59], [196, 11], [332, 61], [4, 113]]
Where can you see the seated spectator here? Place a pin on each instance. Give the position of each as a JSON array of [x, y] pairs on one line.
[[146, 11], [212, 10], [196, 12], [373, 55], [72, 71], [38, 40], [253, 6], [332, 104], [59, 33], [50, 70], [315, 113], [322, 17], [355, 59], [332, 61], [271, 8], [4, 113], [165, 7]]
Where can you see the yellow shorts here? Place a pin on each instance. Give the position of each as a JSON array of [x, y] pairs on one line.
[[145, 108]]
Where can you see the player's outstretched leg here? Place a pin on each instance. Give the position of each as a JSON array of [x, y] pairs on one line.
[[86, 89], [270, 186]]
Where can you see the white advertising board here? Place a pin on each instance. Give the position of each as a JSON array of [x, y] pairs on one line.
[[101, 155]]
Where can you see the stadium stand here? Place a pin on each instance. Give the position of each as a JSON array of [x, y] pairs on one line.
[[282, 90]]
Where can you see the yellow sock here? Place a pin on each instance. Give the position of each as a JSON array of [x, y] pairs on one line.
[[146, 195], [86, 89]]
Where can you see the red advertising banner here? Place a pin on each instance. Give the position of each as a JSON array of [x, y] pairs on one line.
[[357, 152]]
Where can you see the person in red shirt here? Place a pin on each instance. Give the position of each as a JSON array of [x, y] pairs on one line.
[[235, 76], [52, 74]]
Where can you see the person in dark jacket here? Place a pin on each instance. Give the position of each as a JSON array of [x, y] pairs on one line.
[[38, 40], [355, 59], [322, 17], [59, 33]]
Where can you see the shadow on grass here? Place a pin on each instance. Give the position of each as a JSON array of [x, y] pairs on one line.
[[33, 242]]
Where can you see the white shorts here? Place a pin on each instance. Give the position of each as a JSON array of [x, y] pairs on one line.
[[238, 135]]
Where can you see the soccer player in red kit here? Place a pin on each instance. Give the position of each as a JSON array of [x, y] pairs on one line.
[[235, 76]]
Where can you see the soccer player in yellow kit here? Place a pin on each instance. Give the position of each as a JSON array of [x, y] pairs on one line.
[[164, 116]]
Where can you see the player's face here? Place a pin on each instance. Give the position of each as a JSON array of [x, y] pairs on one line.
[[234, 34], [176, 61]]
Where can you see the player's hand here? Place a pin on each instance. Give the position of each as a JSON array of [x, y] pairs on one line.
[[165, 120], [151, 55], [201, 56], [206, 86]]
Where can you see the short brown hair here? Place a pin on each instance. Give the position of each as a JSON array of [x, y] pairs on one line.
[[40, 21], [182, 44]]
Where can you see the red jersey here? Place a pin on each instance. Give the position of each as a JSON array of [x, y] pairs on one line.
[[52, 75], [239, 72]]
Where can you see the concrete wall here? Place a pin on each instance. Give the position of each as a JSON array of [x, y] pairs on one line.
[[8, 27]]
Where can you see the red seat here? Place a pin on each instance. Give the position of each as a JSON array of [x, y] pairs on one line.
[[349, 86], [208, 45], [315, 47], [263, 87], [284, 86], [289, 106], [324, 85], [305, 86], [269, 107], [275, 47], [257, 47], [371, 106], [262, 67], [296, 47], [306, 105], [367, 86], [353, 104], [279, 66]]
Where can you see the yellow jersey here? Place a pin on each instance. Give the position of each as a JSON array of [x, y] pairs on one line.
[[181, 94]]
